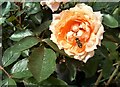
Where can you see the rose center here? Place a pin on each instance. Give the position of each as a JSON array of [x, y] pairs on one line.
[[80, 32]]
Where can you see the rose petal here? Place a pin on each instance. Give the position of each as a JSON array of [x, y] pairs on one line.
[[89, 55], [91, 45]]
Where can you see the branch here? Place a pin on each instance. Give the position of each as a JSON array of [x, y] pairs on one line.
[[98, 79], [113, 74], [1, 68]]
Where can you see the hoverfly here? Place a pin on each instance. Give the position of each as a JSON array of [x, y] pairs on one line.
[[78, 43]]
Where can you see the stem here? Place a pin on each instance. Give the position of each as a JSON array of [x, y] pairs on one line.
[[111, 77], [1, 68], [20, 17], [117, 76], [98, 79]]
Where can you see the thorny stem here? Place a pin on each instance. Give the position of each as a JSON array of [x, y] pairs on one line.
[[98, 79], [111, 77], [1, 68]]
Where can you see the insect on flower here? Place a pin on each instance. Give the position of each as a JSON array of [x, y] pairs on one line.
[[78, 42], [77, 31]]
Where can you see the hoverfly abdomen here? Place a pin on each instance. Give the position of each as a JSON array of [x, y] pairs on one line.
[[78, 43]]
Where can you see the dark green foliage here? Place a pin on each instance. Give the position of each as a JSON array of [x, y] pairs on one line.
[[31, 58]]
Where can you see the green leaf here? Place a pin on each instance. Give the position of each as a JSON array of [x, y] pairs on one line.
[[0, 83], [114, 55], [110, 21], [20, 69], [25, 53], [66, 71], [42, 63], [14, 7], [107, 68], [37, 18], [23, 74], [13, 53], [30, 81], [116, 14], [17, 36], [52, 81], [0, 72], [1, 76], [20, 66], [10, 56], [90, 67], [72, 70], [2, 2], [11, 18], [111, 7], [112, 35], [54, 46], [9, 82], [25, 43], [6, 9], [20, 12], [112, 38], [31, 7], [111, 46], [42, 27], [99, 5], [2, 20], [60, 68], [102, 51], [9, 23]]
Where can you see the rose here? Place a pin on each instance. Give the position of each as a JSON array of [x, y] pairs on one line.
[[78, 31], [52, 4]]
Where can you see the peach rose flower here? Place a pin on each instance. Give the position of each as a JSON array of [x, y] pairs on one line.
[[78, 31], [52, 4]]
